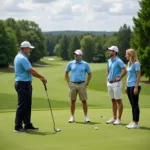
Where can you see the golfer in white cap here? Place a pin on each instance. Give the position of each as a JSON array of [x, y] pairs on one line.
[[23, 86], [78, 83], [116, 70]]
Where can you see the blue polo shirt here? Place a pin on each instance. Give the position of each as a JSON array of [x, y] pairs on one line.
[[78, 70], [114, 67], [131, 74], [21, 67]]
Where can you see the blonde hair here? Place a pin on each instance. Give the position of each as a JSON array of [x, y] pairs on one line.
[[133, 56]]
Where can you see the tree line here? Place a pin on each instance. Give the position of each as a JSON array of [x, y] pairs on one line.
[[72, 32], [93, 44]]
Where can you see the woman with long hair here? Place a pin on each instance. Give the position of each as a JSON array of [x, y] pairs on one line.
[[133, 86]]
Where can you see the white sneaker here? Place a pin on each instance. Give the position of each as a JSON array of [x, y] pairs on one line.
[[133, 126], [117, 122], [129, 124], [110, 121], [72, 119], [86, 119]]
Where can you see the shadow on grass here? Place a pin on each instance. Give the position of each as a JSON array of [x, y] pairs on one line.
[[88, 123], [144, 128], [40, 133], [123, 124]]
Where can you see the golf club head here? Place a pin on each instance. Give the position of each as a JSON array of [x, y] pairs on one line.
[[57, 130]]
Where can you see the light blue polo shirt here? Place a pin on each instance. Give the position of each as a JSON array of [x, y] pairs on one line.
[[21, 67], [131, 72], [114, 67], [78, 70]]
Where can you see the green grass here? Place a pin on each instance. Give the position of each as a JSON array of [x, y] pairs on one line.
[[77, 135], [73, 136]]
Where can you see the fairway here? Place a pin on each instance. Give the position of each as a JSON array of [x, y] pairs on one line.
[[78, 135]]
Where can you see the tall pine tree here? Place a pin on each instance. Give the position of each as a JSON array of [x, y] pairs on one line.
[[99, 53], [63, 47], [123, 38], [141, 39]]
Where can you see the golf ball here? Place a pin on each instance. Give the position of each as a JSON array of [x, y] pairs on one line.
[[96, 128]]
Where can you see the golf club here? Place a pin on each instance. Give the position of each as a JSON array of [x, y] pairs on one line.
[[56, 130]]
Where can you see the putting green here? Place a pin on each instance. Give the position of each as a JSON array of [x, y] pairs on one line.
[[76, 136]]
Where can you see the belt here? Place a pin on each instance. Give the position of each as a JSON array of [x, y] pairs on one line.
[[25, 82], [78, 82], [113, 81]]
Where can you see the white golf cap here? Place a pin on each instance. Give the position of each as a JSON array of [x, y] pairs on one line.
[[114, 48], [78, 52], [26, 44]]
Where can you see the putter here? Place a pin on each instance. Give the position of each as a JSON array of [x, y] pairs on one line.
[[56, 130]]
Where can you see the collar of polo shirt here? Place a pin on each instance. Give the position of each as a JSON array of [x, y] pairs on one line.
[[79, 62], [22, 54], [114, 58]]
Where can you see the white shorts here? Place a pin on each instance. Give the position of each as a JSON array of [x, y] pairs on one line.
[[115, 90]]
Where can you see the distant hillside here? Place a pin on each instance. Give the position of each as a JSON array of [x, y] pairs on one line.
[[79, 32]]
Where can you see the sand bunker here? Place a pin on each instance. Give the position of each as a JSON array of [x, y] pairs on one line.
[[51, 59]]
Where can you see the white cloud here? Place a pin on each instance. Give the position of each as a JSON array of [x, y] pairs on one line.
[[43, 1], [77, 9], [5, 4], [127, 7], [72, 14]]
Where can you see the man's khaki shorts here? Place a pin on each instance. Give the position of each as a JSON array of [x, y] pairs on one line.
[[78, 88]]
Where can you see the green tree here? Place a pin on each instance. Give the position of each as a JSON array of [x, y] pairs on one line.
[[8, 45], [31, 32], [63, 47], [11, 23], [110, 41], [51, 41], [57, 50], [123, 38], [74, 44], [141, 38], [99, 53], [88, 48], [11, 44]]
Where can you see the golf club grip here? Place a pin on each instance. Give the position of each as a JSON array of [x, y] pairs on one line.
[[45, 87]]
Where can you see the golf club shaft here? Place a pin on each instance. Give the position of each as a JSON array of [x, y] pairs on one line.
[[50, 107], [45, 87]]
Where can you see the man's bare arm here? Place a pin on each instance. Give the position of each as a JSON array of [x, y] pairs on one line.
[[37, 75], [88, 78], [67, 77]]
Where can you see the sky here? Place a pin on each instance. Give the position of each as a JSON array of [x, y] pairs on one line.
[[85, 15]]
